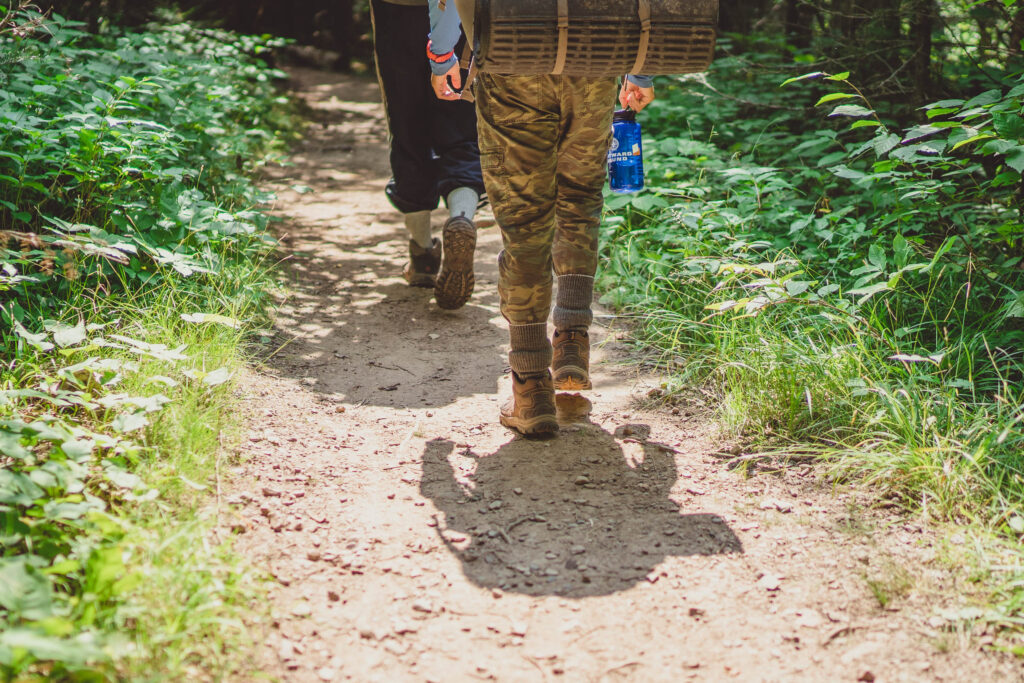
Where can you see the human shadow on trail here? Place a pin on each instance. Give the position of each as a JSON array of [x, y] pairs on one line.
[[576, 516]]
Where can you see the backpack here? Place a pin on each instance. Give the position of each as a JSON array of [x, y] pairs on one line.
[[595, 37]]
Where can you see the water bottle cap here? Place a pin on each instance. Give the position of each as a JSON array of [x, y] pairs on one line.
[[624, 115]]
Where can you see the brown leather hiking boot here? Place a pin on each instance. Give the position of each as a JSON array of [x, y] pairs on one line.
[[570, 361], [455, 282], [421, 270], [531, 410]]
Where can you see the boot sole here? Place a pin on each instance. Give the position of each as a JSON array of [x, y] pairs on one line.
[[455, 282], [572, 379], [537, 426]]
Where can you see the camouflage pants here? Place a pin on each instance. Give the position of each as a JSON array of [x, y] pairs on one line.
[[543, 148]]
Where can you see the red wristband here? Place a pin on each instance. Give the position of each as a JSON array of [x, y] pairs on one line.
[[438, 59]]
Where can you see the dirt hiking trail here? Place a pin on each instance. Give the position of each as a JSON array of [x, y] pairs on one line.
[[412, 538]]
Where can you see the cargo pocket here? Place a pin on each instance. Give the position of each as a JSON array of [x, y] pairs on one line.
[[491, 159], [492, 163]]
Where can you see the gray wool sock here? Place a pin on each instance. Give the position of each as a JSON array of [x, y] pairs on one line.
[[462, 201], [573, 301], [531, 349], [418, 225]]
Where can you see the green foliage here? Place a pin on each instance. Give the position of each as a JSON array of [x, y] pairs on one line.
[[125, 208], [125, 158], [851, 283]]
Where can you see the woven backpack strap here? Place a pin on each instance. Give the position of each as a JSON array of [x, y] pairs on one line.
[[468, 62], [563, 36], [644, 11]]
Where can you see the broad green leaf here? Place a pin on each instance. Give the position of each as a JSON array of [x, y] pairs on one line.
[[75, 651], [827, 289], [129, 422], [16, 488], [1015, 158], [973, 138], [721, 306], [867, 292], [842, 76], [984, 99], [797, 287], [648, 202], [884, 142], [832, 97], [845, 172], [940, 111], [217, 377], [864, 124], [813, 74], [67, 335], [1009, 126], [876, 256], [918, 132], [10, 446], [854, 110], [78, 449], [24, 590], [901, 250], [122, 478], [1015, 306], [944, 104], [36, 340]]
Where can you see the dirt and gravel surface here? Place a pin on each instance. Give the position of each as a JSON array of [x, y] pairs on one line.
[[412, 538]]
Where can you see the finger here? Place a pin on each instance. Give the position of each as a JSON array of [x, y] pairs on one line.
[[456, 77]]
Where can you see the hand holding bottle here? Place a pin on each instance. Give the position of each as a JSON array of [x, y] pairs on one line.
[[632, 96]]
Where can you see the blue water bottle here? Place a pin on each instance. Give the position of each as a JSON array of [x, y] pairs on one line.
[[625, 156]]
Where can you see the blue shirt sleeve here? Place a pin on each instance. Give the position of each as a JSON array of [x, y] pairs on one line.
[[642, 81], [445, 29]]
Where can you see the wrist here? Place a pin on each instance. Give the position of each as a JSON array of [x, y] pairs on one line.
[[442, 63], [440, 69], [436, 57]]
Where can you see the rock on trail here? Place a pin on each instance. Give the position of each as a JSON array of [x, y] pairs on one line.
[[412, 538]]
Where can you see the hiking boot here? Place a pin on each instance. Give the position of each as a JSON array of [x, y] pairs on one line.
[[531, 410], [421, 270], [455, 282], [570, 361]]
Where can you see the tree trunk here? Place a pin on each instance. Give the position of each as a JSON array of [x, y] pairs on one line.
[[1017, 30], [799, 20], [922, 24]]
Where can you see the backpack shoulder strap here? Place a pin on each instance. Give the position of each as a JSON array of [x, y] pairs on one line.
[[644, 12]]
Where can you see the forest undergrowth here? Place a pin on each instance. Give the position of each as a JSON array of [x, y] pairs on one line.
[[132, 269], [842, 278]]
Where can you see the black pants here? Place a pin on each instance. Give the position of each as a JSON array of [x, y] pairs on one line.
[[433, 142]]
